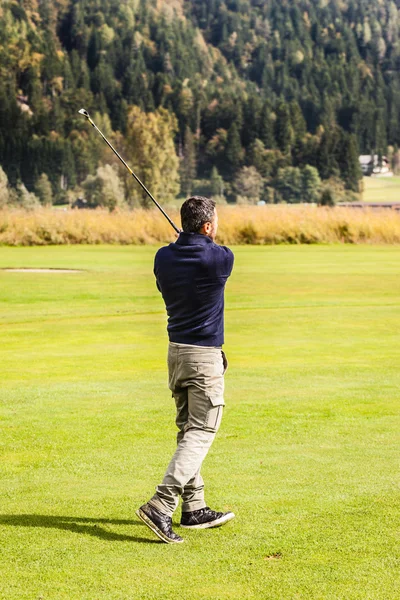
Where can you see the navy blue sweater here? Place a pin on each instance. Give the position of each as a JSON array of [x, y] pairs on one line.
[[191, 275]]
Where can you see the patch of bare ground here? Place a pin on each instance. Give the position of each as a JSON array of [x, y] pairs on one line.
[[274, 556]]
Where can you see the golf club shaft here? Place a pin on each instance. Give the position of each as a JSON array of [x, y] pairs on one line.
[[86, 114]]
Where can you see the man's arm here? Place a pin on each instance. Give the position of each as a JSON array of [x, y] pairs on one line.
[[224, 262], [155, 271]]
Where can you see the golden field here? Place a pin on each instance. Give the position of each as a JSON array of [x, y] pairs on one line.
[[270, 224]]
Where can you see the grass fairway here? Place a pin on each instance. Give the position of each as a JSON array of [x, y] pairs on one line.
[[307, 455], [381, 189]]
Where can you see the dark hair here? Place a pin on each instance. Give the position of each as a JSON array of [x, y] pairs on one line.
[[196, 211]]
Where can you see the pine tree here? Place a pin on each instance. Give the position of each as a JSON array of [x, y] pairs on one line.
[[328, 154], [234, 150], [284, 133], [298, 122], [251, 120], [349, 162], [68, 172], [188, 163], [217, 185], [267, 127]]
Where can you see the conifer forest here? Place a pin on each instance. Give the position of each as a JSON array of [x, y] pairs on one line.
[[243, 100]]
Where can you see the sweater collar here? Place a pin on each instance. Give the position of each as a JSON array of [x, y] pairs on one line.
[[193, 239]]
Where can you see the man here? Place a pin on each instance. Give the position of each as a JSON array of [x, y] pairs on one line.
[[191, 275]]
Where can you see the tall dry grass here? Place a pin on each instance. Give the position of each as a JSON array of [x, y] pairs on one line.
[[307, 224], [276, 224]]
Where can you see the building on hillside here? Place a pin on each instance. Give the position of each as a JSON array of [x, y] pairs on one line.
[[370, 165]]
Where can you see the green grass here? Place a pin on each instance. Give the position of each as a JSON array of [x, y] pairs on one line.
[[381, 189], [307, 455]]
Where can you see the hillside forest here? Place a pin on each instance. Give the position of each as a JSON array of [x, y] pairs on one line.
[[242, 100]]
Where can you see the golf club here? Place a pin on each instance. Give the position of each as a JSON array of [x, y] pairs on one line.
[[85, 113]]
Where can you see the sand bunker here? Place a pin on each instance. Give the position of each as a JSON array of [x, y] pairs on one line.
[[26, 270]]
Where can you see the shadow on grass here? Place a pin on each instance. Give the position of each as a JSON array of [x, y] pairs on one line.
[[81, 525]]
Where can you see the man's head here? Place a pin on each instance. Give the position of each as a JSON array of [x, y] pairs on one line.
[[199, 215]]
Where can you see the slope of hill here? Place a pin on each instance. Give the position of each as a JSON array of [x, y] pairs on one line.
[[263, 85]]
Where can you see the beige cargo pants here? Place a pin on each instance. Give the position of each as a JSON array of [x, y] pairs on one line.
[[196, 379]]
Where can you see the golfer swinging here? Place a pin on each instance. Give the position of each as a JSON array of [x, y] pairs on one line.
[[191, 275]]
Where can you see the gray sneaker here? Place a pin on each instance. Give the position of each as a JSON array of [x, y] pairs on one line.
[[159, 523], [205, 518]]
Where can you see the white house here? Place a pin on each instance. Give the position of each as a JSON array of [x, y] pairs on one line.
[[370, 165]]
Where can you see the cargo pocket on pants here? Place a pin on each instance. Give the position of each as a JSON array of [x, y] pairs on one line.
[[214, 414], [224, 361]]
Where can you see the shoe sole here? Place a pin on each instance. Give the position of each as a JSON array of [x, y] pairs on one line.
[[143, 517], [216, 523]]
